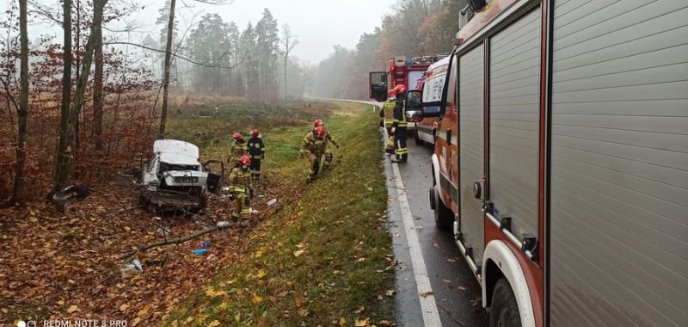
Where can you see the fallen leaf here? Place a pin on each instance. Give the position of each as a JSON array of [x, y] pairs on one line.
[[142, 312], [257, 299], [359, 310], [214, 323], [72, 308], [298, 253], [261, 273], [298, 301], [211, 292], [451, 260], [342, 321], [303, 312], [446, 281], [385, 323], [426, 293], [390, 292], [362, 322], [123, 307]]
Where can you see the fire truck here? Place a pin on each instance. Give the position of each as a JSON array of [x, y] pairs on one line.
[[401, 70], [561, 160]]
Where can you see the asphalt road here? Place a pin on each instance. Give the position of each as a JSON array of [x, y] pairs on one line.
[[456, 292]]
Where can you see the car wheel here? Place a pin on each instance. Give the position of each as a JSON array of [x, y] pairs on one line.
[[444, 218], [504, 310]]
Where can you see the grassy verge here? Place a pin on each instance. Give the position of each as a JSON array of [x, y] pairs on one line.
[[324, 259]]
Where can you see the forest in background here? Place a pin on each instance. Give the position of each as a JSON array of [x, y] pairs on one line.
[[77, 107], [414, 28]]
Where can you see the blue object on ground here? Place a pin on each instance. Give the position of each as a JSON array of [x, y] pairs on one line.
[[200, 251]]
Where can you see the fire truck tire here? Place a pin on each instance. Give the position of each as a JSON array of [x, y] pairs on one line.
[[444, 218], [417, 137], [504, 310]]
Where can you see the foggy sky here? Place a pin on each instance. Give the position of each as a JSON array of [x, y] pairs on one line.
[[319, 24]]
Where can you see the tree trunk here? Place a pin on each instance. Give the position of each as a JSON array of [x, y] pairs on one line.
[[64, 170], [98, 93], [166, 75], [63, 150], [286, 58], [18, 193]]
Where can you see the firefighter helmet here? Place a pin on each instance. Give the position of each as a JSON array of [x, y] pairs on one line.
[[317, 122], [320, 131], [255, 132], [245, 161], [392, 93], [237, 136]]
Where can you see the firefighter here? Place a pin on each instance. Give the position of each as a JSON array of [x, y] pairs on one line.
[[256, 149], [237, 150], [386, 115], [241, 187], [313, 146], [399, 125], [328, 138]]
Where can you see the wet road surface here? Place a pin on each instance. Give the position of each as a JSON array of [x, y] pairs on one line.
[[456, 292]]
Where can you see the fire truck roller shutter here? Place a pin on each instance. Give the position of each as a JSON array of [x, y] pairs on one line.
[[471, 77], [514, 122], [619, 163]]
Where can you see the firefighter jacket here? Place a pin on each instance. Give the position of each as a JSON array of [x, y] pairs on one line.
[[237, 150], [387, 112], [240, 180], [256, 147], [328, 137], [400, 114], [314, 144]]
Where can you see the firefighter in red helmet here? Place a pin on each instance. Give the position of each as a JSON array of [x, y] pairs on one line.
[[328, 138], [237, 149], [386, 121], [399, 125], [313, 147], [256, 149], [241, 187]]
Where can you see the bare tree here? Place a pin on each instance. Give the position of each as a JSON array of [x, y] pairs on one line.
[[98, 92], [18, 194], [166, 74], [63, 147], [289, 41], [67, 136]]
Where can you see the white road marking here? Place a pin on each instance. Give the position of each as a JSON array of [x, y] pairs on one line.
[[431, 316]]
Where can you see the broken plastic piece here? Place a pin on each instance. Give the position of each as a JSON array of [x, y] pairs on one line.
[[200, 251], [271, 202], [223, 224], [137, 264]]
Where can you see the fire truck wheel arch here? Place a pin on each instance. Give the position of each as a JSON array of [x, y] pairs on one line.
[[499, 257]]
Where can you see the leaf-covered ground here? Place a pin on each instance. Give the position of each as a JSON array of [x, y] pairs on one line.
[[318, 256]]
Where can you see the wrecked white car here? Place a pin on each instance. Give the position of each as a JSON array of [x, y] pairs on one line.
[[174, 179]]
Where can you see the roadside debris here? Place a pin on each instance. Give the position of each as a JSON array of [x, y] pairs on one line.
[[271, 202], [70, 194]]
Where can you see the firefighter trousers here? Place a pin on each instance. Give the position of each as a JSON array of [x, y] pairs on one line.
[[255, 168], [400, 149], [242, 204], [314, 164], [389, 146]]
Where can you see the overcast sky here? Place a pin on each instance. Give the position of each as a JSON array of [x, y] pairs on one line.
[[319, 24]]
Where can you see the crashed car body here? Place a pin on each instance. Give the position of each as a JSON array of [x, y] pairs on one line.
[[173, 178]]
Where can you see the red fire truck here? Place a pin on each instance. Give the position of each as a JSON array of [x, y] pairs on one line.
[[561, 162], [402, 70], [407, 71]]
